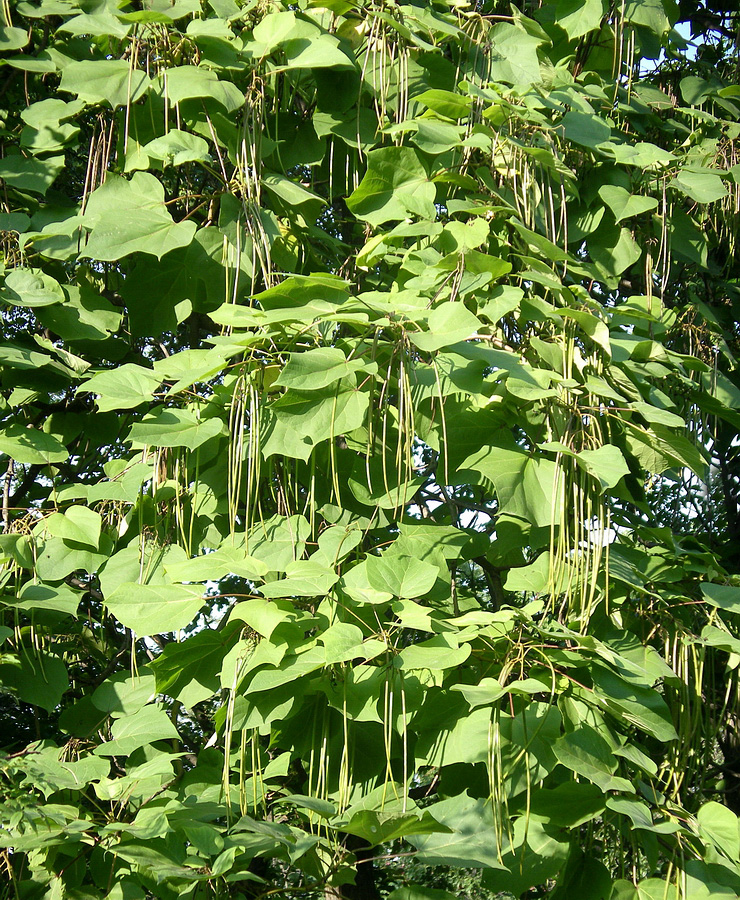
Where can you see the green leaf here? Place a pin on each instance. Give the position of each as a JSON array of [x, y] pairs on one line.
[[639, 705], [446, 103], [585, 752], [124, 387], [569, 804], [303, 578], [175, 428], [124, 217], [577, 17], [85, 316], [299, 421], [130, 732], [538, 854], [607, 465], [154, 608], [473, 842], [588, 130], [723, 596], [437, 654], [37, 678], [124, 694], [41, 596], [623, 204], [614, 249], [193, 82], [111, 81], [160, 294], [448, 323], [650, 14], [395, 186], [30, 174], [215, 566], [26, 287], [703, 187], [380, 827], [178, 147], [514, 55], [78, 524], [527, 486], [29, 445], [313, 370], [12, 38], [720, 825], [402, 576], [189, 671]]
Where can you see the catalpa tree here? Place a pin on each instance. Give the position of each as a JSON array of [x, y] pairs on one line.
[[369, 420]]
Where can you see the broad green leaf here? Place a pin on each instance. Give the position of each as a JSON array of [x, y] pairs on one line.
[[649, 13], [448, 324], [78, 524], [437, 653], [124, 217], [193, 82], [154, 608], [303, 578], [99, 24], [485, 693], [30, 174], [657, 889], [380, 827], [607, 465], [614, 249], [720, 825], [703, 187], [175, 428], [37, 678], [395, 186], [84, 316], [57, 558], [527, 486], [577, 17], [473, 842], [300, 420], [589, 130], [112, 81], [129, 732], [320, 52], [585, 752], [178, 147], [278, 541], [538, 853], [446, 103], [124, 387], [293, 195], [723, 596], [12, 38], [569, 804], [29, 445], [189, 671], [159, 294], [514, 55], [313, 370], [623, 204], [217, 565], [41, 596], [402, 576], [124, 694], [26, 287], [639, 705]]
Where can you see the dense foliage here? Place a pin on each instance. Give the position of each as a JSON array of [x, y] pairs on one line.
[[370, 464]]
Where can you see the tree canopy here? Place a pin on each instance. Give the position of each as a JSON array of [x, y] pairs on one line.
[[370, 466]]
